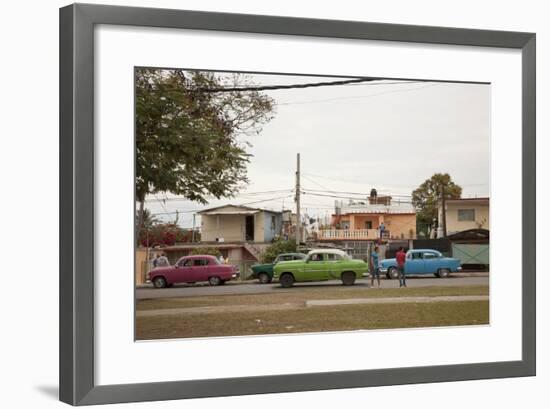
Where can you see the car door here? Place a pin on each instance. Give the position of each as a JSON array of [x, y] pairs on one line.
[[317, 268], [200, 269], [414, 263], [431, 262], [182, 270], [334, 262]]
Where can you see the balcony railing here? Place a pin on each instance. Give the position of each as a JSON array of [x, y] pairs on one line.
[[348, 234]]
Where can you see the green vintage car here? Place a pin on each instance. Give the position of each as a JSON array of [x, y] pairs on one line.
[[264, 272], [321, 265]]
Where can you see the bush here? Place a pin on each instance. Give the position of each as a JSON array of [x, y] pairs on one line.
[[165, 234], [211, 251], [278, 247]]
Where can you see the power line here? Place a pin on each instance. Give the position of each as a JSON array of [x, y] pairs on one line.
[[362, 194], [314, 182], [293, 86], [170, 199], [344, 197], [362, 182], [316, 101], [239, 204]]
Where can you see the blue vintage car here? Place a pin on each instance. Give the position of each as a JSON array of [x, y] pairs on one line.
[[422, 261]]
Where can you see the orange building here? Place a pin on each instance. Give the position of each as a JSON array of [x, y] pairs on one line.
[[358, 220]]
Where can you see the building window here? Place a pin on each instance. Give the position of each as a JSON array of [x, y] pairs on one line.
[[368, 224], [273, 223], [466, 215]]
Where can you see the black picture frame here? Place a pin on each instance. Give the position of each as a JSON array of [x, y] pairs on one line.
[[76, 313]]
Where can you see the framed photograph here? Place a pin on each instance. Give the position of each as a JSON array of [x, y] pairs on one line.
[[257, 204]]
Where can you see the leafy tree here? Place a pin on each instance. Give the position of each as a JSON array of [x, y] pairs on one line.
[[278, 247], [148, 219], [427, 197], [187, 137]]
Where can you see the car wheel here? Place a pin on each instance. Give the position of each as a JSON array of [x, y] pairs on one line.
[[160, 282], [348, 278], [443, 273], [264, 278], [287, 280], [215, 280], [393, 273]]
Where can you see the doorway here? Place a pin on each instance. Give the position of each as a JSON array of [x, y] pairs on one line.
[[249, 228]]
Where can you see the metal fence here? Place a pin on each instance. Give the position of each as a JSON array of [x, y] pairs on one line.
[[472, 254], [244, 267]]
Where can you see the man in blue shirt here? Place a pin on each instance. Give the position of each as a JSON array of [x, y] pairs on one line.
[[374, 267], [382, 230]]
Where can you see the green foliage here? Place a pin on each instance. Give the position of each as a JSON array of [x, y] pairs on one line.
[[427, 197], [164, 234], [278, 247], [187, 138], [148, 219], [212, 251]]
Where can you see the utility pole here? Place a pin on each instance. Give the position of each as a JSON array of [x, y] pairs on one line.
[[193, 233], [443, 213], [297, 198]]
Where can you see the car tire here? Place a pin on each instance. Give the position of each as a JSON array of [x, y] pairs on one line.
[[160, 282], [264, 278], [443, 273], [287, 280], [214, 280], [393, 273], [348, 278]]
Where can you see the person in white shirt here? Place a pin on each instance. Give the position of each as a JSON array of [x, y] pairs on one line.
[[162, 261]]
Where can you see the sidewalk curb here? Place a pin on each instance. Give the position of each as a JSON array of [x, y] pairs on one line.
[[397, 300]]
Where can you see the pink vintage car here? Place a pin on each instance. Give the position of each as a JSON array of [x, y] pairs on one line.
[[192, 269]]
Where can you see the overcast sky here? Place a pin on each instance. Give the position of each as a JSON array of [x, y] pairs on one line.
[[384, 135]]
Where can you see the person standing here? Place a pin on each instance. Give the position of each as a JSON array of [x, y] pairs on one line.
[[162, 261], [155, 261], [382, 230], [374, 267], [400, 258]]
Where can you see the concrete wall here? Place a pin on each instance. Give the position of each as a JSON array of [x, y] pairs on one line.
[[401, 226], [229, 226], [272, 229], [359, 221], [259, 227], [481, 217], [141, 265]]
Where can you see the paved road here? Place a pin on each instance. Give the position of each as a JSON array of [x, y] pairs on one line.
[[256, 288]]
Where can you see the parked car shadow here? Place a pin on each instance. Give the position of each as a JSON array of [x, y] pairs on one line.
[[320, 285]]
